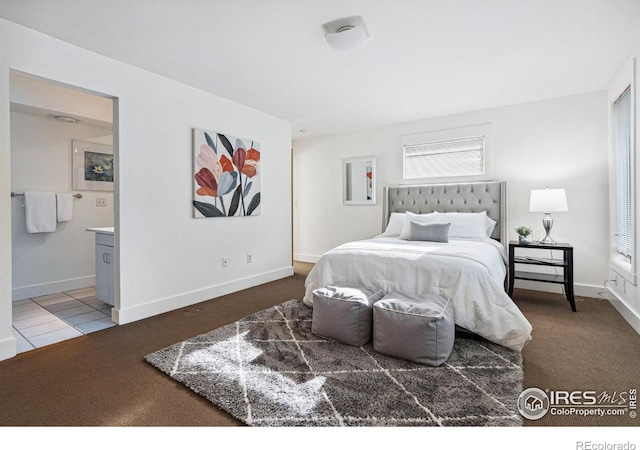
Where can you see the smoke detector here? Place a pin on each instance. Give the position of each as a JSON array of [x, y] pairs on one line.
[[348, 34]]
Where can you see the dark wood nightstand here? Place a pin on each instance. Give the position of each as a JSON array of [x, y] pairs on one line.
[[566, 264]]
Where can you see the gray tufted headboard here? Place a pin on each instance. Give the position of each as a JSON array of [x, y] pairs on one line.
[[489, 196]]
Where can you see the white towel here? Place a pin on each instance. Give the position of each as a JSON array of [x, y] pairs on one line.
[[40, 212], [64, 207]]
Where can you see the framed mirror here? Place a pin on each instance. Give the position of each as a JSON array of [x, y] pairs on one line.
[[359, 180]]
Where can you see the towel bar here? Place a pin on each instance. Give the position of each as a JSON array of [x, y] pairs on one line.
[[13, 194]]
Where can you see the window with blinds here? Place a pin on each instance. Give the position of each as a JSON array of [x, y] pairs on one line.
[[622, 152], [447, 158]]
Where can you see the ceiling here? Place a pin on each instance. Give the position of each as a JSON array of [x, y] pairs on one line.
[[427, 58], [47, 101], [50, 114]]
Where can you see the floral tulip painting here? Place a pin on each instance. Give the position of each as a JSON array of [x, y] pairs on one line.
[[226, 175]]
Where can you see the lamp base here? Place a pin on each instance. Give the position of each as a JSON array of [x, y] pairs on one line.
[[547, 223], [547, 241]]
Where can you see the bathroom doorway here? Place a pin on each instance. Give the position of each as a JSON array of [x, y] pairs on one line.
[[53, 271]]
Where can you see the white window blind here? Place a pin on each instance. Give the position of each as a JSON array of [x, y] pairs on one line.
[[450, 158], [623, 166]]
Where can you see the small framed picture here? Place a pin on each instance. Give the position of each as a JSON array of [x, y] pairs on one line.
[[92, 166]]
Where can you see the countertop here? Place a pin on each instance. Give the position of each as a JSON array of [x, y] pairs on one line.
[[104, 230]]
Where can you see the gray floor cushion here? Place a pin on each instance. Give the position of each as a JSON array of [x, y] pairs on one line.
[[343, 312], [418, 329]]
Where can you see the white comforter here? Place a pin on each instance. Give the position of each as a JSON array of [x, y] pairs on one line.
[[471, 272]]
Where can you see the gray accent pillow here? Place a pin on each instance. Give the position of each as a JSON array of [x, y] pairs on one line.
[[420, 329], [434, 232], [343, 312]]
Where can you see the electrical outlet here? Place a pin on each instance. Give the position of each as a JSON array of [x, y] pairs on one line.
[[225, 261], [102, 202], [249, 258]]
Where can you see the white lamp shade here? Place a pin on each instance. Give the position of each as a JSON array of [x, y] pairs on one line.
[[548, 200]]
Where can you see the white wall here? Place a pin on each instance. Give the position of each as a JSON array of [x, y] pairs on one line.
[[45, 263], [164, 257], [561, 143]]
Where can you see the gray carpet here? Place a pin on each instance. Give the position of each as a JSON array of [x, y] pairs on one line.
[[268, 369]]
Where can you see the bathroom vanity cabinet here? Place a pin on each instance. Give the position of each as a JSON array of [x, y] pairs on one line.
[[105, 265]]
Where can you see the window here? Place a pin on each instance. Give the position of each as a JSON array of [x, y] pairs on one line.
[[622, 185], [446, 154], [622, 161]]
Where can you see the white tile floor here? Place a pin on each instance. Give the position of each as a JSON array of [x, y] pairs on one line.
[[41, 321]]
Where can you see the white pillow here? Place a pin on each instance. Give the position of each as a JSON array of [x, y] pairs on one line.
[[418, 218], [394, 227], [465, 225]]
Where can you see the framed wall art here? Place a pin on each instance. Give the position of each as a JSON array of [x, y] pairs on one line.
[[226, 175], [92, 166]]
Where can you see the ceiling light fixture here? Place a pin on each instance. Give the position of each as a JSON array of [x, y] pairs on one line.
[[348, 34], [66, 119]]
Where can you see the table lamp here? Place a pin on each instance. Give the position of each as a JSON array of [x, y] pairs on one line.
[[548, 201]]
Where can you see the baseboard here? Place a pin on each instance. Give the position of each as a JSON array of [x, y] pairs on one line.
[[160, 306], [305, 258], [36, 290], [8, 348], [625, 311]]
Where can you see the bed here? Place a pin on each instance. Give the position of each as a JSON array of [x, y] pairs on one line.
[[467, 263]]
